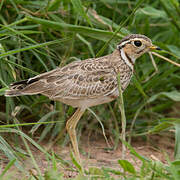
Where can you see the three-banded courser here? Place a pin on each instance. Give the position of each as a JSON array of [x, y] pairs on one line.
[[87, 83]]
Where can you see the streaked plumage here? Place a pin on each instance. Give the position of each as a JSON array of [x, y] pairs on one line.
[[89, 82]]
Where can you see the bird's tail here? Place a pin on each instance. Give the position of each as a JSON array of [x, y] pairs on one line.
[[11, 93], [16, 89], [35, 85]]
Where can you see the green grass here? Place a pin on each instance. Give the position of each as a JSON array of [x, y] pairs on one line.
[[37, 36]]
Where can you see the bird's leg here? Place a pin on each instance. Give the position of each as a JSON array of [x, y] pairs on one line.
[[71, 126]]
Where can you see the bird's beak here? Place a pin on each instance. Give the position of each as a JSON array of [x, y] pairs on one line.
[[153, 47]]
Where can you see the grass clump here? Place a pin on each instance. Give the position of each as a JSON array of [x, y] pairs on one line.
[[37, 36]]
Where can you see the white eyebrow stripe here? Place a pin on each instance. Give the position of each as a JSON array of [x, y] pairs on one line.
[[126, 42], [119, 46]]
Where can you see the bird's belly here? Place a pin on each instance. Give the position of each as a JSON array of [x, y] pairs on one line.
[[85, 102], [88, 102]]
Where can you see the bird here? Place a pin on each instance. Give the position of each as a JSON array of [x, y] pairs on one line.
[[87, 83]]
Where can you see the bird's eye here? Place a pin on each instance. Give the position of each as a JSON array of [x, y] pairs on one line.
[[137, 43]]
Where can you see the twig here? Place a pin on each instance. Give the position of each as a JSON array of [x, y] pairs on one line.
[[103, 131], [166, 59], [155, 67]]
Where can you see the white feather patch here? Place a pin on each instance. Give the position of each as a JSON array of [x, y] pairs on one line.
[[124, 57]]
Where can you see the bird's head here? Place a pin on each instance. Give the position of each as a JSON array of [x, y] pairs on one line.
[[133, 46]]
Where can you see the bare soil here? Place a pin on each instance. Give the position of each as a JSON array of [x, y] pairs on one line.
[[94, 152]]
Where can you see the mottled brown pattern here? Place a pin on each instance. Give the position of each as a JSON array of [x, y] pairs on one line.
[[86, 83], [87, 80]]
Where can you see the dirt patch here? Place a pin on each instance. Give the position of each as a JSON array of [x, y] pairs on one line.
[[94, 152]]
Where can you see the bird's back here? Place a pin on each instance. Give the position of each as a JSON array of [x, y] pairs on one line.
[[86, 81]]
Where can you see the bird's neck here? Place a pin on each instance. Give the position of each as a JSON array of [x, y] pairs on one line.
[[120, 63], [127, 59], [119, 56]]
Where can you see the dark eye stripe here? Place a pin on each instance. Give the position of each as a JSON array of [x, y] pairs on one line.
[[120, 47], [140, 51]]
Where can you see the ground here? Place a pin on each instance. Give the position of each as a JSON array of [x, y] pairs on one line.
[[94, 153]]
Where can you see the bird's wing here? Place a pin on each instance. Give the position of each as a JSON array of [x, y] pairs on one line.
[[81, 79], [89, 79]]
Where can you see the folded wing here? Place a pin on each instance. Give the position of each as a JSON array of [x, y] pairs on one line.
[[78, 80]]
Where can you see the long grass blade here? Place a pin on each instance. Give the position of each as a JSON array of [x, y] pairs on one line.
[[123, 116]]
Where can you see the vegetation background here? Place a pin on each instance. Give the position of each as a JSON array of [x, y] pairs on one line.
[[39, 35]]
